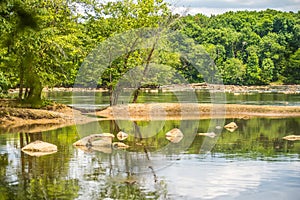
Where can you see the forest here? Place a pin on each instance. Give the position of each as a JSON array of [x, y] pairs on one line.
[[45, 43]]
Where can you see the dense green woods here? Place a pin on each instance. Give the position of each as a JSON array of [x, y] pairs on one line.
[[44, 43], [250, 48]]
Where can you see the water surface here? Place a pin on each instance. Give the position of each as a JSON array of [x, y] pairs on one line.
[[101, 99], [251, 162]]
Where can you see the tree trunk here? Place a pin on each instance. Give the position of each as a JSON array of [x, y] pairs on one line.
[[137, 91], [21, 82], [136, 94], [35, 90]]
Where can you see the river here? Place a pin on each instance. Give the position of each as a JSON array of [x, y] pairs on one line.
[[251, 162]]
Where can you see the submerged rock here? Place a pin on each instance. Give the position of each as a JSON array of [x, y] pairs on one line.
[[175, 135], [122, 136], [39, 148], [103, 149], [119, 145], [211, 134], [130, 181], [103, 139], [231, 126], [292, 137]]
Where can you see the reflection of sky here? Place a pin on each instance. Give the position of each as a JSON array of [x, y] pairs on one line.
[[199, 179], [14, 156], [208, 178], [191, 177]]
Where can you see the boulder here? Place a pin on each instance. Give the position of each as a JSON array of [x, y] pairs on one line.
[[175, 135], [39, 148], [103, 139], [231, 126], [122, 136]]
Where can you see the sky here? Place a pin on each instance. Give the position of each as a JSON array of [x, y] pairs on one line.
[[214, 7]]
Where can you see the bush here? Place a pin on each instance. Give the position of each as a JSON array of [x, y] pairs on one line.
[[4, 84]]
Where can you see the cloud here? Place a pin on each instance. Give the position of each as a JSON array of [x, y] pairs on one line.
[[209, 7]]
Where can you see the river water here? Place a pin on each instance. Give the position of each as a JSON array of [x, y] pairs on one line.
[[251, 162]]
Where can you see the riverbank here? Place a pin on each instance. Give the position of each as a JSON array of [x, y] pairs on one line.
[[285, 89], [29, 120], [58, 115], [176, 111]]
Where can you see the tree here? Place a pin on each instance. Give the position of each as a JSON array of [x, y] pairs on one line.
[[293, 70], [267, 71], [114, 18], [253, 70], [40, 41], [233, 71], [274, 34], [216, 52]]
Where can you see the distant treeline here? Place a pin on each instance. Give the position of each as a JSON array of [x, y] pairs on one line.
[[248, 47], [44, 43]]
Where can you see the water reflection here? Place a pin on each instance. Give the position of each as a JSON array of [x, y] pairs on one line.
[[253, 161], [203, 96], [218, 178]]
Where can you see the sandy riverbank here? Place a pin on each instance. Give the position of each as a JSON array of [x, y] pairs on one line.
[[53, 117], [285, 89], [36, 120], [176, 111]]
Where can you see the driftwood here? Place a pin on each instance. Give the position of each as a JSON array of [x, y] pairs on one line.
[[211, 134], [292, 137]]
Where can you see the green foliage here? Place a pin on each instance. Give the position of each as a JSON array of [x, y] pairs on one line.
[[293, 70], [233, 71], [4, 84], [41, 41], [262, 41], [44, 44]]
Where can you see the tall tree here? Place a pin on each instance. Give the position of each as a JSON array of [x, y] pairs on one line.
[[293, 70], [40, 39], [119, 17]]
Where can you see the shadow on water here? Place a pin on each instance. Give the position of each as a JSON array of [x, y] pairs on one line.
[[152, 167], [203, 96]]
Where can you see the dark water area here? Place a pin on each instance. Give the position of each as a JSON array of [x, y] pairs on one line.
[[101, 99], [253, 162]]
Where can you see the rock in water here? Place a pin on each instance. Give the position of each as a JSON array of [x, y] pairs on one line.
[[39, 148], [231, 126], [119, 145], [104, 139], [122, 135], [292, 137], [175, 135], [211, 134]]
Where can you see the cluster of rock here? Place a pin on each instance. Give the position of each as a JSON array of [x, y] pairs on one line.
[[232, 126], [104, 142], [98, 142]]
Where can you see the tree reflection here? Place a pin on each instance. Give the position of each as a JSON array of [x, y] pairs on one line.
[[43, 177], [125, 174]]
